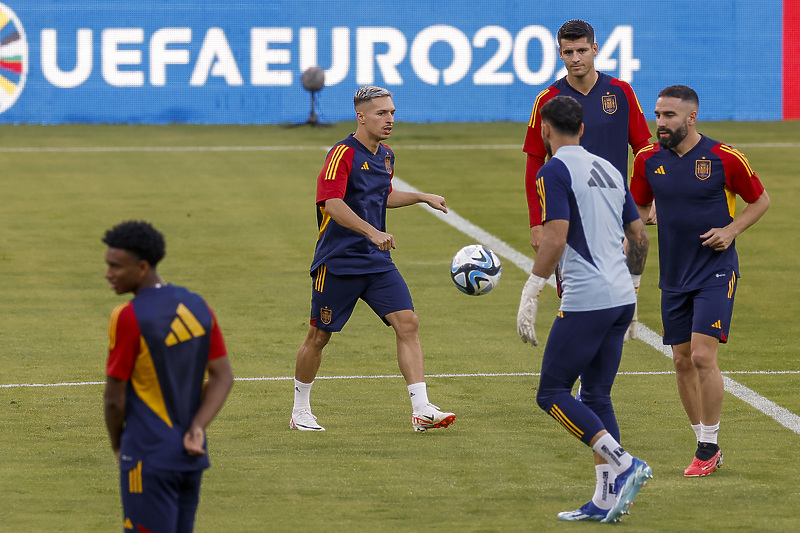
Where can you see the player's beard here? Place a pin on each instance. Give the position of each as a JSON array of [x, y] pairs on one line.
[[548, 148], [674, 137]]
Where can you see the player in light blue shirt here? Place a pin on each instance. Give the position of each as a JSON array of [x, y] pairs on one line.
[[587, 210]]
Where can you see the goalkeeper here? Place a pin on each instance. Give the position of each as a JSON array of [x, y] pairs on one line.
[[586, 212]]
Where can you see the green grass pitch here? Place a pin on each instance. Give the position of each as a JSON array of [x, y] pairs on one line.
[[240, 230]]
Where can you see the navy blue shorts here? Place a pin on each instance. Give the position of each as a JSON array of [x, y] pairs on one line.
[[159, 500], [707, 311], [586, 344], [333, 297]]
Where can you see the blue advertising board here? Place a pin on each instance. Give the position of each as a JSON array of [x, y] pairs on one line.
[[240, 61]]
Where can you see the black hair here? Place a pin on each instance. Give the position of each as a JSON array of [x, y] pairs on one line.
[[139, 238], [563, 113], [682, 92], [572, 30]]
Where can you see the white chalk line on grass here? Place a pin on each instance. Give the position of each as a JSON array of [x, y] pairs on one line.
[[766, 406], [111, 149], [398, 376], [783, 416]]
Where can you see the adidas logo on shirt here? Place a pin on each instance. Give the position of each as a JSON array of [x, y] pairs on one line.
[[184, 327], [717, 324], [660, 170], [365, 166]]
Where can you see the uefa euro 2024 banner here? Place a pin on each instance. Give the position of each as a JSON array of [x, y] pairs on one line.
[[240, 61]]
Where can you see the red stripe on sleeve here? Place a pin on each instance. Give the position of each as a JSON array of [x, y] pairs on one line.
[[739, 177], [638, 132], [640, 188], [217, 348], [332, 180], [124, 342], [534, 147]]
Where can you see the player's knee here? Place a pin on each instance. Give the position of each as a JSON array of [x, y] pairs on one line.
[[405, 323], [682, 363], [704, 361], [545, 398], [594, 399], [318, 338]]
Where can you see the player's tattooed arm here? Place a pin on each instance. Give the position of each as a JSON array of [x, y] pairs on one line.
[[638, 245]]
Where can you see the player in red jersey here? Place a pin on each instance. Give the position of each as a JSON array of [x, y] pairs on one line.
[[695, 180], [168, 375], [612, 116], [352, 259]]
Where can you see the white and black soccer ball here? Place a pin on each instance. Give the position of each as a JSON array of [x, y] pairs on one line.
[[475, 270]]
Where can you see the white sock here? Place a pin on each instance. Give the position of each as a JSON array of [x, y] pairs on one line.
[[696, 428], [618, 459], [708, 433], [604, 497], [302, 396], [418, 392]]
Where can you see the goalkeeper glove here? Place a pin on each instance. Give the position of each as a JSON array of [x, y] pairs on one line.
[[528, 307], [631, 332]]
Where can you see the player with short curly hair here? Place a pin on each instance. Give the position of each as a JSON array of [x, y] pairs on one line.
[[168, 375]]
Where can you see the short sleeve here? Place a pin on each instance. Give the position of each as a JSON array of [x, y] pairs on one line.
[[217, 348], [640, 190], [124, 342], [553, 186], [332, 179], [739, 177]]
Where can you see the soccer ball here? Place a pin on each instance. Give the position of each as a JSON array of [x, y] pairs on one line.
[[475, 270]]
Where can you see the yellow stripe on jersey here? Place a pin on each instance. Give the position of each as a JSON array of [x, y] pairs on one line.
[[336, 158], [559, 415], [738, 155], [145, 383], [540, 191], [636, 99], [646, 148], [325, 219], [194, 325], [536, 106], [730, 196], [112, 326]]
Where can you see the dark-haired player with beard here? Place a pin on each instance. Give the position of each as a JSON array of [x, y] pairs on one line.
[[168, 375], [695, 180], [587, 211]]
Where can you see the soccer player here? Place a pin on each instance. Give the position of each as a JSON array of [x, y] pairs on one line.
[[612, 116], [587, 210], [695, 180], [352, 260], [168, 376]]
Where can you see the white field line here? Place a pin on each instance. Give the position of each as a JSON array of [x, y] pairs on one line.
[[766, 406], [90, 149], [783, 416], [398, 376]]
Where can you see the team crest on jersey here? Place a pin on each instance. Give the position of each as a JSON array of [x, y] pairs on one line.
[[325, 315], [610, 104], [388, 163], [702, 168]]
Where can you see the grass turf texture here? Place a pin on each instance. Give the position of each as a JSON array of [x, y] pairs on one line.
[[240, 230]]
